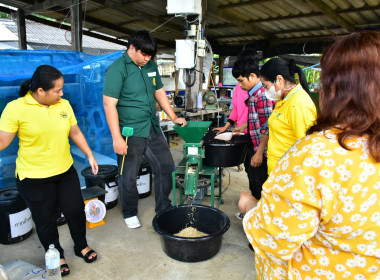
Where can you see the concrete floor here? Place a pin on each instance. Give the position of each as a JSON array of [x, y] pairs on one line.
[[137, 253]]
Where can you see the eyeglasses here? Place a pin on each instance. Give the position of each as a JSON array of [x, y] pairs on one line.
[[267, 85]]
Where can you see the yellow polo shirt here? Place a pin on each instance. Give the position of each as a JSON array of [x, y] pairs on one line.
[[289, 121], [44, 148]]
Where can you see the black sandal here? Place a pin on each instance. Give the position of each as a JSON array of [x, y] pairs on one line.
[[65, 272], [87, 256]]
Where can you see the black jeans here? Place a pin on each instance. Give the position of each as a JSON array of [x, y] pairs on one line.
[[256, 175], [45, 196], [157, 153]]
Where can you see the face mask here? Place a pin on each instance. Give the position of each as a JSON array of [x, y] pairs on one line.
[[272, 94]]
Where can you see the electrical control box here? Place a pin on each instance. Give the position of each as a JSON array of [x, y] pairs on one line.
[[185, 54], [201, 52], [187, 7], [201, 44]]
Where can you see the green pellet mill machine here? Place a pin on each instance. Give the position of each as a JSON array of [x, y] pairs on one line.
[[195, 177]]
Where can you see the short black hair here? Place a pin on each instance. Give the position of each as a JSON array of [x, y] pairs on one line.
[[244, 66], [144, 41]]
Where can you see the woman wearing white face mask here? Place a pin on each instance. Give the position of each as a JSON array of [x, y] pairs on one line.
[[295, 111]]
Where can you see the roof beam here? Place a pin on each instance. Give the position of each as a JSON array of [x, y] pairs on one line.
[[45, 5], [241, 4], [120, 29], [127, 10], [233, 20], [114, 27], [332, 15], [310, 15], [66, 27], [284, 32]]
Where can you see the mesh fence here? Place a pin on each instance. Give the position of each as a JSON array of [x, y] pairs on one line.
[[83, 76]]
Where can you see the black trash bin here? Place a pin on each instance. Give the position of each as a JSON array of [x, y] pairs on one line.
[[15, 217], [107, 179]]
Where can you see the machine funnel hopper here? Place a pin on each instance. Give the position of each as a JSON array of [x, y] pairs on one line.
[[194, 131]]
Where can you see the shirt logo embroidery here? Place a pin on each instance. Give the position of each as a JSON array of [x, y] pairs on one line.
[[154, 81], [64, 115]]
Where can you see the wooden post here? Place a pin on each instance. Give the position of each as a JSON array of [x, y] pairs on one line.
[[21, 29], [76, 25]]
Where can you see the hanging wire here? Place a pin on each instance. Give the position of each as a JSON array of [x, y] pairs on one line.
[[162, 24], [192, 20], [59, 28]]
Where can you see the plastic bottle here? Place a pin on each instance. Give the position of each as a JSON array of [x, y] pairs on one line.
[[200, 101], [52, 261], [3, 273]]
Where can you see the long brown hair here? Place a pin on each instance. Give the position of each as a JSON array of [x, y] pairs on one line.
[[350, 93]]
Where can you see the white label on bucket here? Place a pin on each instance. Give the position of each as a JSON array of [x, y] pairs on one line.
[[143, 183], [20, 223], [111, 194]]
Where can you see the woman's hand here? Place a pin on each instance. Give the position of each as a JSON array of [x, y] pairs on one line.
[[246, 202], [220, 129], [93, 164]]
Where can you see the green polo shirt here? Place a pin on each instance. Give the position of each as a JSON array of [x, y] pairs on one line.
[[134, 88]]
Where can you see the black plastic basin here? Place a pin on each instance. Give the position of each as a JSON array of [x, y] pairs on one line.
[[219, 153], [204, 218]]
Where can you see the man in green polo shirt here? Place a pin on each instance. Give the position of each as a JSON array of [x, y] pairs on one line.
[[132, 86]]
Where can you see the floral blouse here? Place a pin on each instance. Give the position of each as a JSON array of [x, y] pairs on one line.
[[319, 213]]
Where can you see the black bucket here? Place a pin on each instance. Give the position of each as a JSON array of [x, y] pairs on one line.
[[15, 217], [144, 180], [107, 179], [204, 218], [219, 153]]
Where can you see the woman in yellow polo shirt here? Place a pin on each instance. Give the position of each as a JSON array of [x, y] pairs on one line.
[[295, 111], [46, 178]]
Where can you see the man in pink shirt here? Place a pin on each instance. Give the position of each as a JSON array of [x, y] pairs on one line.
[[239, 114]]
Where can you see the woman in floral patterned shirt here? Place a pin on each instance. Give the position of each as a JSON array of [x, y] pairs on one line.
[[319, 214]]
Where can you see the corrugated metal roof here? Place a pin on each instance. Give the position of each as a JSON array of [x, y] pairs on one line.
[[230, 25]]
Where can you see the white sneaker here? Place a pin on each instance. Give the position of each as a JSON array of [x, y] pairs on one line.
[[133, 222]]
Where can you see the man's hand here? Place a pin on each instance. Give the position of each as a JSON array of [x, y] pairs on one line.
[[119, 146], [180, 121], [256, 160]]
